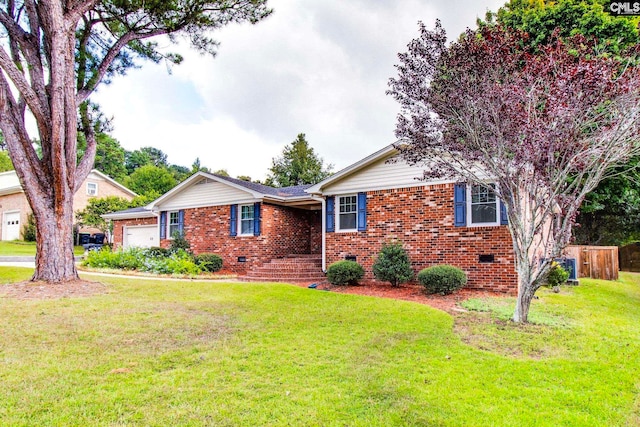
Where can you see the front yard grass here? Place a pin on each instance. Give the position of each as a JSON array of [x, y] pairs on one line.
[[235, 354], [21, 248]]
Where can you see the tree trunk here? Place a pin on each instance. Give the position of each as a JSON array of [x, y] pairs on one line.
[[523, 302], [54, 254]]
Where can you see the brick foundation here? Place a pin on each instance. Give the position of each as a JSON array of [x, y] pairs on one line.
[[422, 219]]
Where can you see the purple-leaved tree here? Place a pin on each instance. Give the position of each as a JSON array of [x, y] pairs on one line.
[[543, 127], [53, 55]]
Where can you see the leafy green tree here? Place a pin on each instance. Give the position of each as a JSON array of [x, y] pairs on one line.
[[54, 55], [180, 173], [610, 214], [298, 165], [197, 167], [151, 180], [5, 162], [540, 18], [221, 172], [91, 215], [135, 159], [110, 157]]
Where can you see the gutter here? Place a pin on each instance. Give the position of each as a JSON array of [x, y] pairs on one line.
[[324, 231]]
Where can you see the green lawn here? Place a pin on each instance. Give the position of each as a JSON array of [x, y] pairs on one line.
[[20, 248], [240, 354]]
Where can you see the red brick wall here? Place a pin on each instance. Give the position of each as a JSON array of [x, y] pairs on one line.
[[422, 219], [118, 227], [284, 231]]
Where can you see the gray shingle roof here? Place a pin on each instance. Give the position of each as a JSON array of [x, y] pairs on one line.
[[294, 191]]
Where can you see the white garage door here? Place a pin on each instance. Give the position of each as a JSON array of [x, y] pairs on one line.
[[144, 236], [11, 226]]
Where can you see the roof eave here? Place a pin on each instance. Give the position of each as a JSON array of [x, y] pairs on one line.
[[385, 152]]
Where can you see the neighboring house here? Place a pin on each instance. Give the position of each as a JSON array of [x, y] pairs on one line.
[[349, 215], [14, 207]]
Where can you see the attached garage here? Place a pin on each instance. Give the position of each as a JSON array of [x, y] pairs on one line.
[[11, 225], [140, 236]]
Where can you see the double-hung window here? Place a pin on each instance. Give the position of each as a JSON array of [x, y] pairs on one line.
[[92, 189], [483, 205], [173, 225], [246, 220], [348, 213]]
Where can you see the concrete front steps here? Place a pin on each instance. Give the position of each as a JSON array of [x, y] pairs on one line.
[[292, 268]]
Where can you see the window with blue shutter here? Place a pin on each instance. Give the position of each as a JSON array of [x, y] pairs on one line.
[[181, 222], [460, 205], [362, 211], [330, 214], [163, 225], [256, 219], [504, 219], [233, 221]]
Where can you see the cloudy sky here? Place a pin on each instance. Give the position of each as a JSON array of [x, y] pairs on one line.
[[316, 67]]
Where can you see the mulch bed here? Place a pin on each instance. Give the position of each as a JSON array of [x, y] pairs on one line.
[[415, 293]]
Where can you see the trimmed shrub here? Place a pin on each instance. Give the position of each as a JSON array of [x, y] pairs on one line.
[[393, 265], [442, 279], [209, 262], [556, 276], [29, 229], [345, 273], [178, 242]]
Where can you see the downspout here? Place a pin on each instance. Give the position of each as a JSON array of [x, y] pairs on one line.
[[324, 232]]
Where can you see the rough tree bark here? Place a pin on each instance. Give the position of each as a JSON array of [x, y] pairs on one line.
[[53, 55]]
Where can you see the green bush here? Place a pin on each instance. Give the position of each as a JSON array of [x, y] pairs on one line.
[[209, 262], [442, 279], [393, 265], [157, 251], [29, 229], [345, 273], [178, 243], [557, 275], [178, 262]]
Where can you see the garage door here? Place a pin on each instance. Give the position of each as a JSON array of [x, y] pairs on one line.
[[11, 226], [142, 236]]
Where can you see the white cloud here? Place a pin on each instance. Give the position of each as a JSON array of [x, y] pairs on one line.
[[315, 67]]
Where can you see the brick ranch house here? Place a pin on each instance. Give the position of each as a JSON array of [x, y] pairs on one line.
[[15, 209], [293, 233]]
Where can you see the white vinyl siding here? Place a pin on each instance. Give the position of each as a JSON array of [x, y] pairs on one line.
[[381, 175], [205, 194]]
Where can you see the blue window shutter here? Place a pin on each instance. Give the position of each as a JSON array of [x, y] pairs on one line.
[[504, 220], [460, 205], [233, 223], [181, 221], [256, 219], [362, 211], [163, 225], [331, 218]]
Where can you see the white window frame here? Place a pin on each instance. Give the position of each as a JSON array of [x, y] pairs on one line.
[[251, 209], [338, 213], [169, 223], [92, 193], [470, 222]]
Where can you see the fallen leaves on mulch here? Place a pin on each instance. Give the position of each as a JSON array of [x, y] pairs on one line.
[[46, 290], [415, 293]]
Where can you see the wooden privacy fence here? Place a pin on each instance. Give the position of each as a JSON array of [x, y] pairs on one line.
[[630, 257], [596, 262]]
